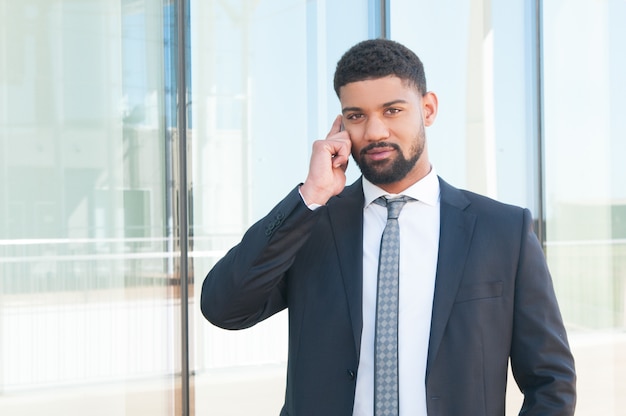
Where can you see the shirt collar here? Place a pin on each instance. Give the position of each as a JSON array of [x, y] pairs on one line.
[[425, 190]]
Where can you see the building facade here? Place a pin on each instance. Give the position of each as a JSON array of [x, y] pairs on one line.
[[140, 138]]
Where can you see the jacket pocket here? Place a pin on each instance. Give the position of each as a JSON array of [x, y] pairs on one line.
[[484, 290]]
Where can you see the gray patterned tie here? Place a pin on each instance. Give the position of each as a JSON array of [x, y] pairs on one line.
[[386, 394]]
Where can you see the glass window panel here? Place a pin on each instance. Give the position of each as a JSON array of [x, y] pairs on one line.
[[262, 93], [585, 187], [478, 60], [89, 319]]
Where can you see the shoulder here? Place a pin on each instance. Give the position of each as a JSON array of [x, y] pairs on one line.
[[463, 199], [351, 195], [480, 205]]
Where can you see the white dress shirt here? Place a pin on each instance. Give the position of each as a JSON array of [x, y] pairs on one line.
[[419, 243]]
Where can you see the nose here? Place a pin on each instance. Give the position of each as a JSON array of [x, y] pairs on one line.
[[376, 129]]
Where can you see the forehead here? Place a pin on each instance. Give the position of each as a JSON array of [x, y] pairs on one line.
[[377, 91]]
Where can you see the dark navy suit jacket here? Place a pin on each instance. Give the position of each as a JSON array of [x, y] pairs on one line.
[[493, 301]]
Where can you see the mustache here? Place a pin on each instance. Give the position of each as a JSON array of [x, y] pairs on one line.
[[378, 144]]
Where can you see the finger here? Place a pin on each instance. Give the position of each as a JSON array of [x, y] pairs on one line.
[[341, 153], [336, 127], [342, 166]]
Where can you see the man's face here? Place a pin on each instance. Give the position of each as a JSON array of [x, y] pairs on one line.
[[385, 118]]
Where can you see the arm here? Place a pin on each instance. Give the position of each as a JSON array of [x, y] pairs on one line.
[[541, 360], [249, 283]]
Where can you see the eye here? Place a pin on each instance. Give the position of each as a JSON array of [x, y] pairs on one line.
[[354, 116], [392, 111]]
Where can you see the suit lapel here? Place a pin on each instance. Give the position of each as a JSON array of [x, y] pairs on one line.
[[346, 218], [457, 227]]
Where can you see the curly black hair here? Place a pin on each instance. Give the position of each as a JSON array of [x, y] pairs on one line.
[[377, 58]]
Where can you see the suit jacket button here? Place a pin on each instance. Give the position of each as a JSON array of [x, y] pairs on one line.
[[351, 374]]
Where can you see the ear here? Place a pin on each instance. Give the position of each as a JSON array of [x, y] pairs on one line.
[[429, 107]]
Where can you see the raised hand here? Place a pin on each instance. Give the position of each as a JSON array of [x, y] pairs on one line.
[[329, 161]]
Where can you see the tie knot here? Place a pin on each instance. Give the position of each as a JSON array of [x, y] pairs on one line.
[[394, 205]]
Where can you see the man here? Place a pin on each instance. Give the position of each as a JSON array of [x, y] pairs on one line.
[[474, 289]]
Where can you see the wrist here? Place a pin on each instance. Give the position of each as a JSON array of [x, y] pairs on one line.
[[312, 197]]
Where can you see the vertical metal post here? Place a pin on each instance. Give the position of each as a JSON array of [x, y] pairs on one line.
[[381, 24], [384, 19], [181, 125], [378, 19], [539, 133]]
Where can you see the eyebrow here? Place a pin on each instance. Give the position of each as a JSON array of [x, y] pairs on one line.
[[388, 104]]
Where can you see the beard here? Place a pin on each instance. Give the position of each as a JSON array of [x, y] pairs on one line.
[[385, 171]]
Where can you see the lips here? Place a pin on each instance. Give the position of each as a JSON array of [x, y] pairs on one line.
[[380, 153]]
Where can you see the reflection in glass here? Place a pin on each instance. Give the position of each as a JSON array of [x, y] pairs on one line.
[[261, 93], [87, 302], [586, 189]]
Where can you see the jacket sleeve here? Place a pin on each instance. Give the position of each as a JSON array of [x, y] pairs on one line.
[[541, 361], [248, 284]]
